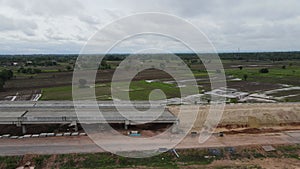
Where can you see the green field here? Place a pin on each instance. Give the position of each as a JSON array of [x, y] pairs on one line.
[[139, 90], [290, 75]]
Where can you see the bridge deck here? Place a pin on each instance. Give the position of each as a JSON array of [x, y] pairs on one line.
[[64, 112]]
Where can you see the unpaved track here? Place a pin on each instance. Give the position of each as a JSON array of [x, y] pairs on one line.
[[82, 144]]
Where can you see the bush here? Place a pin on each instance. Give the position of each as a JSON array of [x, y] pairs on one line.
[[264, 70], [245, 77], [29, 71], [69, 68]]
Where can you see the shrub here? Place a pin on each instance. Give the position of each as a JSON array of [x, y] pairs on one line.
[[264, 70]]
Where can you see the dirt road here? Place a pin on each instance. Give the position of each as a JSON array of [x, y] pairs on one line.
[[83, 144]]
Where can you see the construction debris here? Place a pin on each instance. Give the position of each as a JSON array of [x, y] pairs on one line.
[[268, 148]]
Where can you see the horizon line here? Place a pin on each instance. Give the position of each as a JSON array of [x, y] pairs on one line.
[[127, 53]]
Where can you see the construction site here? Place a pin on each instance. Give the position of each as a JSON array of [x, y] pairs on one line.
[[52, 118], [51, 127]]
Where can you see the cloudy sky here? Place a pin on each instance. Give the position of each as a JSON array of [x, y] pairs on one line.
[[56, 26]]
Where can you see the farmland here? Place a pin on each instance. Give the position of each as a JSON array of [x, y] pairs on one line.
[[139, 90], [264, 80], [242, 74]]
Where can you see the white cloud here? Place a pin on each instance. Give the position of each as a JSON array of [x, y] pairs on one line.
[[54, 26]]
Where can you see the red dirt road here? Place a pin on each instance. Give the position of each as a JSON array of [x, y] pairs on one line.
[[83, 144]]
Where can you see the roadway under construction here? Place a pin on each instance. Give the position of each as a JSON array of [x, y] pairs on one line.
[[63, 112]]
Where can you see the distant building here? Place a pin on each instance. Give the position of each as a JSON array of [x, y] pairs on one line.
[[29, 62], [14, 64]]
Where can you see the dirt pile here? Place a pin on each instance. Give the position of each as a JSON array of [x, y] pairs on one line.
[[258, 115]]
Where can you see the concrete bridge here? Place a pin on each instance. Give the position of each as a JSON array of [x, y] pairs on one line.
[[22, 113]]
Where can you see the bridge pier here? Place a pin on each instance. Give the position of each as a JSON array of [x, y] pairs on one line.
[[23, 129], [175, 128], [126, 125], [75, 125]]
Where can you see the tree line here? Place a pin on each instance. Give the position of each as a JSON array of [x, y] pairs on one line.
[[46, 59]]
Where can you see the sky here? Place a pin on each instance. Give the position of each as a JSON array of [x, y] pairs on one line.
[[64, 27]]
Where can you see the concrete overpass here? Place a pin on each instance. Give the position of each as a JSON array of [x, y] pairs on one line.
[[22, 113]]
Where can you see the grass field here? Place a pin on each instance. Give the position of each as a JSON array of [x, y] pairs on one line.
[[139, 90], [289, 75]]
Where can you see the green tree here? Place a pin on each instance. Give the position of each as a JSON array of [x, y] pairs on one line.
[[37, 71], [264, 70], [6, 74], [104, 65], [68, 68], [245, 77], [2, 82]]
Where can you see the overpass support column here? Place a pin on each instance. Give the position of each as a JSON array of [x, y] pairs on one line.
[[126, 124], [175, 128], [76, 128], [75, 125], [23, 129]]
